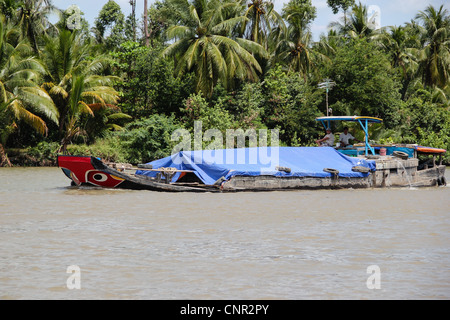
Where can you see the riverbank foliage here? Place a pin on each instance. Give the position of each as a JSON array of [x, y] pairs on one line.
[[119, 89]]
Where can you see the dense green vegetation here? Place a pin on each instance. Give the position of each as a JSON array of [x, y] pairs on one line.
[[120, 88]]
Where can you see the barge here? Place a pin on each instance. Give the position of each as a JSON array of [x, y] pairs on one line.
[[270, 168]]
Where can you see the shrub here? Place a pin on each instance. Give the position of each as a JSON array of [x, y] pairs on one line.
[[148, 139], [109, 149]]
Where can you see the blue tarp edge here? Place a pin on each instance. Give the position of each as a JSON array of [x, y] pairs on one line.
[[303, 162]]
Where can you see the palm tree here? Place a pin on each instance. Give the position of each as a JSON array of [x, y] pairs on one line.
[[21, 99], [399, 43], [204, 45], [396, 42], [335, 5], [74, 81], [294, 48], [328, 44], [434, 56], [9, 8], [261, 19], [441, 96], [357, 24], [33, 19], [294, 51]]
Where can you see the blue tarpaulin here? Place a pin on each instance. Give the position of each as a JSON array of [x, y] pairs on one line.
[[211, 165]]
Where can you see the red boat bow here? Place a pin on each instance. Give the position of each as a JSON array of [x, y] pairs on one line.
[[80, 170]]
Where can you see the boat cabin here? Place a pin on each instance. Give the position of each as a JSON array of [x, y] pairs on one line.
[[375, 150], [364, 123]]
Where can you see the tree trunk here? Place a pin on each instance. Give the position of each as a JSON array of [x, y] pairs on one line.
[[145, 23], [4, 161], [133, 17]]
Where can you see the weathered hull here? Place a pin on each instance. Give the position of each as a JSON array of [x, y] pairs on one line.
[[272, 183], [389, 173], [405, 173], [383, 179]]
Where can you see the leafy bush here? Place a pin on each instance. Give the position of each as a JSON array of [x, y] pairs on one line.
[[365, 82], [108, 148], [440, 139], [43, 154], [291, 105], [149, 138]]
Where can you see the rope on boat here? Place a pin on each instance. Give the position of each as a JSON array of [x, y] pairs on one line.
[[332, 171], [168, 170], [285, 169], [360, 169], [400, 154]]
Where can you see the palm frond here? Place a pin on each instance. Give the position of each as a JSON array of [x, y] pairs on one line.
[[178, 32], [119, 116], [99, 106], [227, 25], [58, 91], [21, 113], [84, 108], [38, 100]]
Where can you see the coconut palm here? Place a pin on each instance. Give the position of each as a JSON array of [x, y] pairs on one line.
[[328, 44], [294, 51], [434, 56], [203, 45], [357, 24], [441, 96], [294, 47], [32, 16], [21, 99], [399, 43], [74, 81], [9, 8], [262, 18], [335, 5]]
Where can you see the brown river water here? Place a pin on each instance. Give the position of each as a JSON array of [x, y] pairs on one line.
[[268, 245]]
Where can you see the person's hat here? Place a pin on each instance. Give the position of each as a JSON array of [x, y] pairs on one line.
[[329, 129]]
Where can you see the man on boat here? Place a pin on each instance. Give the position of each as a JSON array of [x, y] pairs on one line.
[[344, 138], [328, 140]]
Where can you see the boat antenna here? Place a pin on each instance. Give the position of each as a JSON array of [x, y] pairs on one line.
[[327, 84]]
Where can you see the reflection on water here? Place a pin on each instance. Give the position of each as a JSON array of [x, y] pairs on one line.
[[271, 245]]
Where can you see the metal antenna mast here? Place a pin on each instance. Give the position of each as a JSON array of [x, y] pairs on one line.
[[327, 84]]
